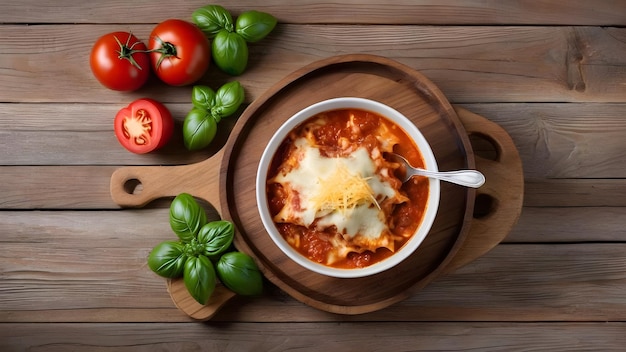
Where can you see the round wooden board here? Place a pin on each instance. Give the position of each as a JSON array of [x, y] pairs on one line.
[[365, 76]]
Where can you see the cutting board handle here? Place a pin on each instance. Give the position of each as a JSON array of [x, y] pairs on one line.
[[499, 201], [136, 186]]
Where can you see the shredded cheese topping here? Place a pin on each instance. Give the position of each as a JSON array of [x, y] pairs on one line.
[[342, 191]]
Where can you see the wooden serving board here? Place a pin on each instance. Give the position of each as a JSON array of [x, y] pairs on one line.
[[227, 181]]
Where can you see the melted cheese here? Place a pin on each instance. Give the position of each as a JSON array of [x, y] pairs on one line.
[[341, 191]]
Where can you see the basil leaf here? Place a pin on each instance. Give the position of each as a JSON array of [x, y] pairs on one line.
[[199, 129], [216, 236], [199, 278], [167, 259], [186, 217], [211, 19], [230, 52], [203, 97], [239, 273], [227, 100], [254, 25]]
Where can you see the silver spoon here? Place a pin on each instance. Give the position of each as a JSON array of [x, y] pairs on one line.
[[468, 178]]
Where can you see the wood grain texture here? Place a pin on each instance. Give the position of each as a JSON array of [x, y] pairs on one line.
[[345, 336], [555, 141], [49, 189], [576, 224], [469, 64], [564, 140], [92, 265], [551, 73], [493, 12], [502, 194], [576, 192]]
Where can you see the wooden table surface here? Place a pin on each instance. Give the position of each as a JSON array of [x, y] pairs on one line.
[[551, 73]]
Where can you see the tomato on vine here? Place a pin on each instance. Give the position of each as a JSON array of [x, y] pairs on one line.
[[179, 52], [120, 61], [143, 126]]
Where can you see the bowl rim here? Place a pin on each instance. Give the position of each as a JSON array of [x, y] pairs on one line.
[[343, 103]]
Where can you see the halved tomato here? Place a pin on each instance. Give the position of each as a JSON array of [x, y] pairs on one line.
[[143, 126]]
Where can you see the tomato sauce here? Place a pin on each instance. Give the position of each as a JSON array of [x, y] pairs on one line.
[[334, 139]]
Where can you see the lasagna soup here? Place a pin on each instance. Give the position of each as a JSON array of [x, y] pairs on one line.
[[334, 196]]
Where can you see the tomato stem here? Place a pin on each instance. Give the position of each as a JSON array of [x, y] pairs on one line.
[[126, 52], [166, 50]]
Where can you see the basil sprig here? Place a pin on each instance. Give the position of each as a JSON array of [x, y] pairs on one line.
[[230, 39], [200, 244], [209, 108]]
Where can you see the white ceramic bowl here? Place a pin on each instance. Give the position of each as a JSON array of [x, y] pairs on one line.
[[342, 103]]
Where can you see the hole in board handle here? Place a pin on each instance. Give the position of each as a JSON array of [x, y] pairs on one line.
[[133, 186], [484, 146], [484, 205]]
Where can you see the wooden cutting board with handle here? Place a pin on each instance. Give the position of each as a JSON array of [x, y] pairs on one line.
[[227, 181]]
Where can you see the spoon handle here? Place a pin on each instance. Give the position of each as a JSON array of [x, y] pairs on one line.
[[468, 178]]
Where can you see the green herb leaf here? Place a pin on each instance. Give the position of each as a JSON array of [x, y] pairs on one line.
[[216, 236], [230, 52], [211, 19], [199, 129], [254, 25], [199, 277], [203, 97], [239, 273], [167, 259], [227, 100], [186, 217]]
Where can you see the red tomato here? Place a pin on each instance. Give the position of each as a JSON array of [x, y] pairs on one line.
[[143, 126], [180, 52], [119, 61]]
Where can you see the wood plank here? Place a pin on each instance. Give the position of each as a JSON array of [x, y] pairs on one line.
[[565, 64], [564, 140], [569, 225], [561, 140], [575, 192], [554, 140], [56, 187], [574, 12], [549, 225], [82, 134], [399, 336], [87, 187], [92, 265]]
